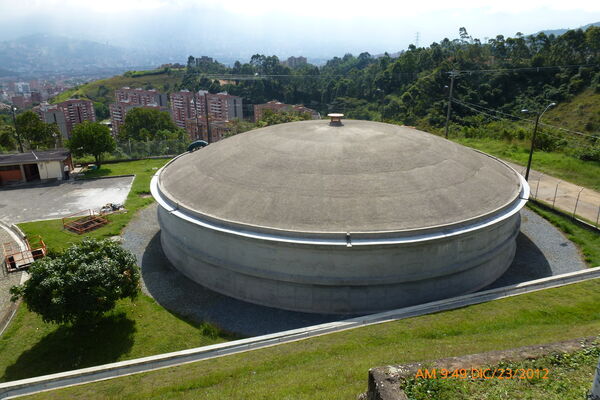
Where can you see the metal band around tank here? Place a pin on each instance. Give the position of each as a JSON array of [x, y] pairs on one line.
[[346, 239]]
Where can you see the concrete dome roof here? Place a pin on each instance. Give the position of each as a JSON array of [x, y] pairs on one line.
[[310, 177]]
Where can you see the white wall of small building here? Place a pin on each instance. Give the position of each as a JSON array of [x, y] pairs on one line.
[[51, 170]]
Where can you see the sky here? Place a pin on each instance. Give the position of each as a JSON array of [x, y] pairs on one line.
[[313, 28]]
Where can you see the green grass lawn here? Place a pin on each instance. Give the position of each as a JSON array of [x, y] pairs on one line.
[[559, 165], [138, 328], [58, 239], [569, 376], [335, 366]]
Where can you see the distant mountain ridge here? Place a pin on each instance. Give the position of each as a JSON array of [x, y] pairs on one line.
[[558, 32], [43, 53]]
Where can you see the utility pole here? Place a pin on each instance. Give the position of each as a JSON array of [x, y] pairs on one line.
[[14, 109], [535, 128], [206, 115], [453, 74]]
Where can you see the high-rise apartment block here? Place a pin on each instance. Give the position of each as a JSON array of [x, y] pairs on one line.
[[127, 98], [189, 111], [66, 114]]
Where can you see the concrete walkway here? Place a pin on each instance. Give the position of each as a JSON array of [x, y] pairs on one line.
[[545, 187], [7, 280]]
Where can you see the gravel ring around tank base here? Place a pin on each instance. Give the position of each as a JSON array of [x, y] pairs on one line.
[[542, 251]]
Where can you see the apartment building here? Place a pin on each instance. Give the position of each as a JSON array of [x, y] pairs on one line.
[[127, 98], [189, 111], [66, 114]]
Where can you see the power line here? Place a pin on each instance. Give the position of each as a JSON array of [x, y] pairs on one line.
[[528, 120], [504, 119], [522, 69]]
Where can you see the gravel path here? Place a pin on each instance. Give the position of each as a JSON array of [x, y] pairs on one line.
[[542, 251], [6, 280]]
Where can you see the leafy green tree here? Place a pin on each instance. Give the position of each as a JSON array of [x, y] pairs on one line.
[[8, 139], [270, 117], [143, 123], [36, 132], [80, 285], [91, 138]]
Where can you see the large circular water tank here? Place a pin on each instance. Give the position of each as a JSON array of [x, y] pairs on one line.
[[356, 218]]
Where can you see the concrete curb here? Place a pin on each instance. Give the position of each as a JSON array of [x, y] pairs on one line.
[[104, 177], [129, 367]]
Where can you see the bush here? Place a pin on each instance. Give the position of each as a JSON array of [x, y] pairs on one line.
[[81, 284]]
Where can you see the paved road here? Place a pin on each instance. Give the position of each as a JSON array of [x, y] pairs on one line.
[[542, 251], [55, 200], [544, 186]]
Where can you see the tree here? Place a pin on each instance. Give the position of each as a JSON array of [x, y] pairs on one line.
[[81, 284], [7, 138], [271, 117], [35, 131], [143, 123], [91, 138]]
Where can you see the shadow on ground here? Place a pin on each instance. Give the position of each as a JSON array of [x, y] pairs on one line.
[[177, 293], [71, 347], [529, 264]]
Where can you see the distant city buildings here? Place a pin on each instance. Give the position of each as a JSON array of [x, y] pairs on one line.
[[277, 106], [127, 98], [66, 114], [197, 129], [189, 111]]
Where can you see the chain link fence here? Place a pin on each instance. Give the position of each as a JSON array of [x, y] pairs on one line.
[[577, 201]]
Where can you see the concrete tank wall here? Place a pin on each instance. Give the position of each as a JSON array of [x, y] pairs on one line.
[[338, 279]]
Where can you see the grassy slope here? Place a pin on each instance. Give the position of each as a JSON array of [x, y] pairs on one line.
[[140, 328], [335, 366], [584, 173], [90, 90], [58, 239], [581, 114]]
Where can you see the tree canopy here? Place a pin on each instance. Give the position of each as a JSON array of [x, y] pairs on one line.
[[81, 284], [36, 132], [145, 123], [91, 138], [270, 117], [8, 139]]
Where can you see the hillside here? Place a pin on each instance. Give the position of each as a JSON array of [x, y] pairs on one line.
[[582, 113], [102, 92], [44, 53]]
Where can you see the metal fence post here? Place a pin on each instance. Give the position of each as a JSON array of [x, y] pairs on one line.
[[538, 186], [577, 201], [555, 191]]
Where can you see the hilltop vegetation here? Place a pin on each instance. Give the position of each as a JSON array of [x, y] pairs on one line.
[[499, 78], [102, 92]]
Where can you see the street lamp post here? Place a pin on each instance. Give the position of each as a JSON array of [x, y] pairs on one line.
[[537, 120], [14, 109]]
